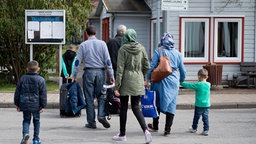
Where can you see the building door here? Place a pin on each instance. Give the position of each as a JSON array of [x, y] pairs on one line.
[[105, 29]]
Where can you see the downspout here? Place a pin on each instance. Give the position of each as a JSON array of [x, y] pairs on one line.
[[254, 31], [212, 6], [157, 24], [112, 25], [165, 20], [100, 35], [212, 11]]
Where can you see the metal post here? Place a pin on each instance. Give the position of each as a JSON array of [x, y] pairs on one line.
[[31, 52], [60, 65]]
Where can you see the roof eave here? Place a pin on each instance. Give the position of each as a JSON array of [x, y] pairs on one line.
[[128, 12], [93, 18], [99, 8]]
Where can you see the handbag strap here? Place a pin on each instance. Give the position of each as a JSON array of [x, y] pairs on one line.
[[163, 52]]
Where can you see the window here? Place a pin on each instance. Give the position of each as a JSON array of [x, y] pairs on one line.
[[223, 45], [194, 39], [227, 40]]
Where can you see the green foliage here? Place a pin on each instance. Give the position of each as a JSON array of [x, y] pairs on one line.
[[50, 86], [14, 53], [45, 56]]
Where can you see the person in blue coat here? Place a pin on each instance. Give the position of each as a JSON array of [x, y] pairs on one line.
[[31, 98], [168, 88]]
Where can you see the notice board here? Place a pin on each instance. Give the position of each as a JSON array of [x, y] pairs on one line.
[[45, 26]]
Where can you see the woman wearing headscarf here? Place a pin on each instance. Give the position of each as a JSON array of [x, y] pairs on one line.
[[132, 67], [168, 88]]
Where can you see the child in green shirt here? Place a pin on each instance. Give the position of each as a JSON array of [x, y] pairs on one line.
[[202, 100]]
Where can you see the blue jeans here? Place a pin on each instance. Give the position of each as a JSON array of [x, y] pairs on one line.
[[93, 80], [26, 122], [204, 111]]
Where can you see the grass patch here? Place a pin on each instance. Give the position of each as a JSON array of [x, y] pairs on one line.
[[50, 86], [52, 74], [7, 87]]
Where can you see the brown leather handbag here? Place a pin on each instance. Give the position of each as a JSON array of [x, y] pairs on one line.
[[163, 69]]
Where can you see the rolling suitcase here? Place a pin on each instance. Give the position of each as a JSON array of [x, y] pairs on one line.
[[63, 102], [63, 99]]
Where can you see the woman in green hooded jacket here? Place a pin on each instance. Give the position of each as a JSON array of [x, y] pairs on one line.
[[132, 66]]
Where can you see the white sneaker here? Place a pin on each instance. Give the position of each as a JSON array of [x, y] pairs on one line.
[[148, 137], [192, 130], [205, 133], [119, 138]]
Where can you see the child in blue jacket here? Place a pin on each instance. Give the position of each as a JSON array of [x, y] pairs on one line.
[[31, 98]]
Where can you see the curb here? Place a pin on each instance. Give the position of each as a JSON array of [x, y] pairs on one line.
[[7, 105], [221, 106], [179, 106]]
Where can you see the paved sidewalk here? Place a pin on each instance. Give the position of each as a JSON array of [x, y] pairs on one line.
[[222, 98]]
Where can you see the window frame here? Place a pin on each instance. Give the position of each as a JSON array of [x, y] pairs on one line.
[[239, 57], [206, 57]]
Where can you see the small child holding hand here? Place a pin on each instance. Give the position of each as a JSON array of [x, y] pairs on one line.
[[202, 100]]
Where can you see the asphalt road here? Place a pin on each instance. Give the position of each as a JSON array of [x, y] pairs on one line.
[[227, 126]]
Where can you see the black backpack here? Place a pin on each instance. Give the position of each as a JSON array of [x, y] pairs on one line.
[[113, 104]]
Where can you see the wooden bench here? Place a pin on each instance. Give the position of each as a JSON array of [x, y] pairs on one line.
[[248, 69]]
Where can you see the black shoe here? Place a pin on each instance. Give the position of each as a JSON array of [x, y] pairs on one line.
[[104, 122], [166, 133], [25, 139], [90, 126], [152, 128]]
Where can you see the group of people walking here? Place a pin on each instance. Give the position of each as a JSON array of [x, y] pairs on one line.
[[132, 71], [125, 62]]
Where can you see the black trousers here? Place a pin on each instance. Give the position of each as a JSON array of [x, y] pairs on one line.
[[168, 121], [135, 101]]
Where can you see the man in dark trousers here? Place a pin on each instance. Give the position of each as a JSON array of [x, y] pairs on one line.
[[114, 44], [94, 53]]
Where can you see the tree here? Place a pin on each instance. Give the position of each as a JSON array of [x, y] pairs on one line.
[[231, 3], [14, 53]]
